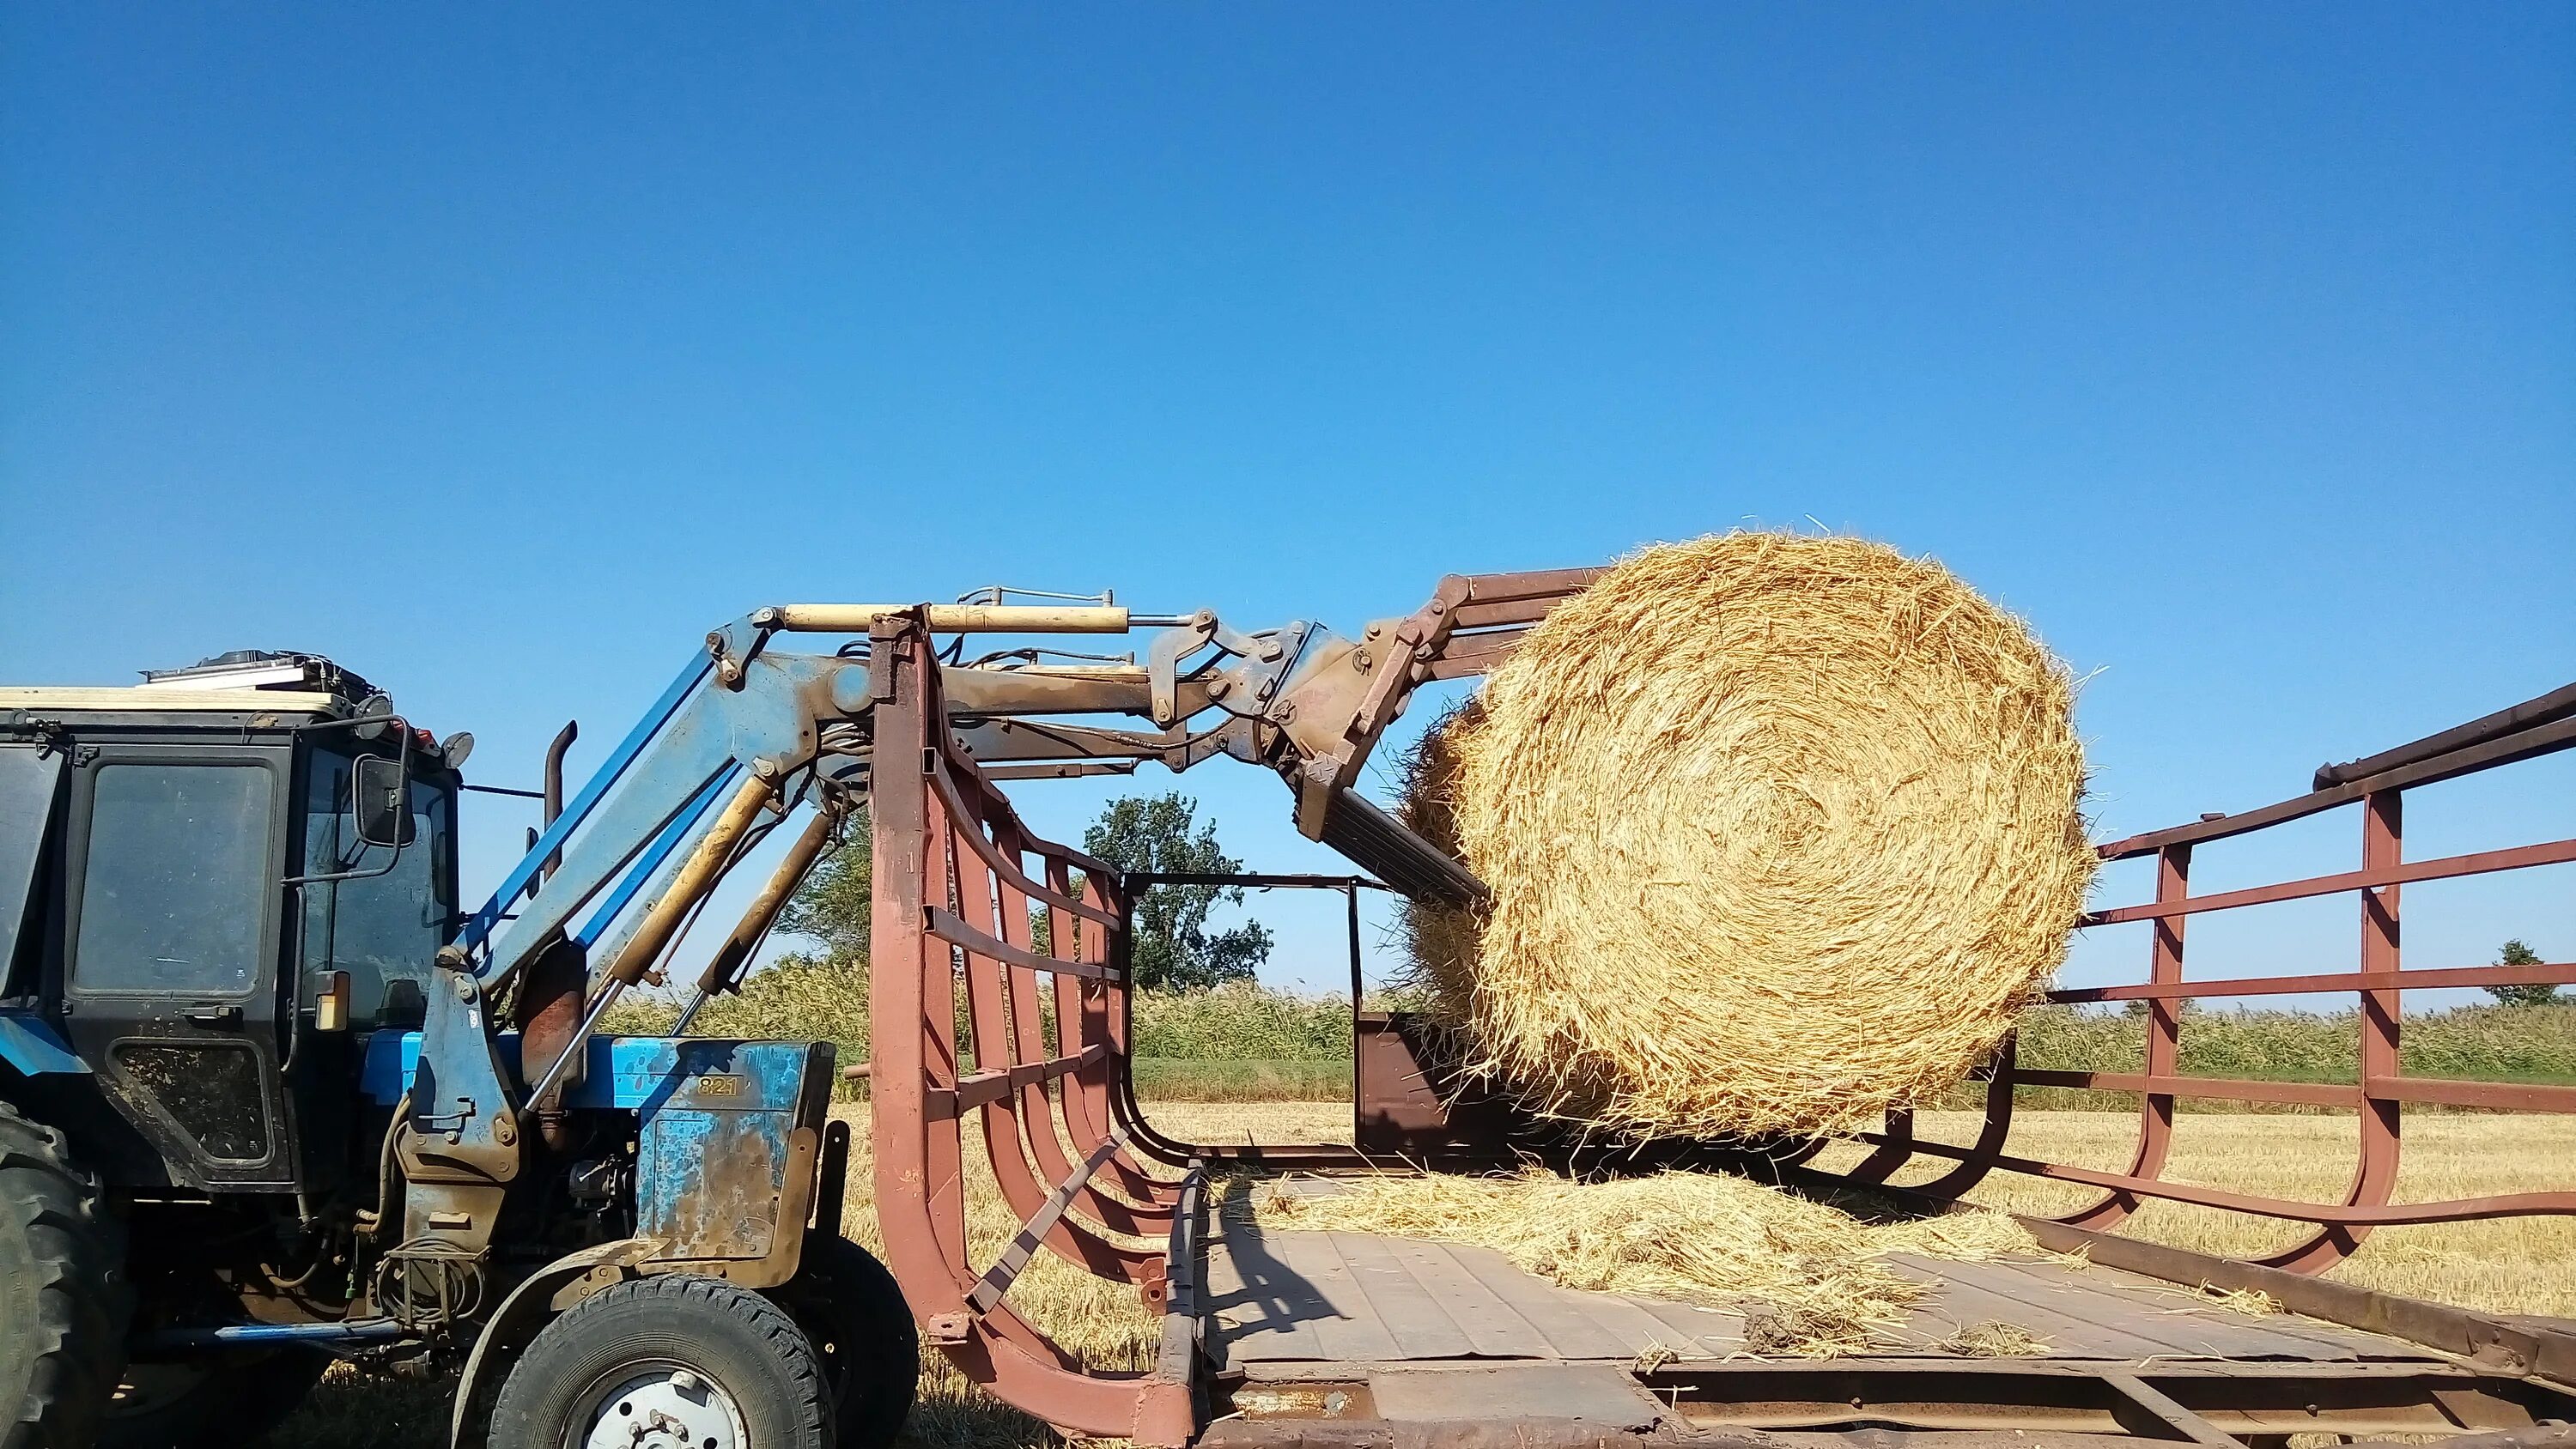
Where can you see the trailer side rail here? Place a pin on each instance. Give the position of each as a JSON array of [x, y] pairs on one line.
[[2376, 787]]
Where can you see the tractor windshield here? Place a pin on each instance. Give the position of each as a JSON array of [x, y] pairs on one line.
[[381, 928]]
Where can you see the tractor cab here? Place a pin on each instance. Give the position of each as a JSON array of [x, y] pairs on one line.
[[212, 885]]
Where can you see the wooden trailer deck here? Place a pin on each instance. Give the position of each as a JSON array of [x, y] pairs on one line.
[[1295, 1297], [1338, 1338]]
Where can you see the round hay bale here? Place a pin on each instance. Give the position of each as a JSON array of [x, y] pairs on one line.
[[1781, 831], [1439, 940]]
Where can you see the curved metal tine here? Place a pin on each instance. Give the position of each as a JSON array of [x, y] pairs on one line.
[[1037, 1111], [1005, 1144], [1148, 1410], [2372, 1179], [1082, 1007], [1114, 1095], [945, 1156], [1980, 1160], [2163, 1053], [1083, 1104], [920, 1197], [1891, 1154], [919, 1190], [952, 795]]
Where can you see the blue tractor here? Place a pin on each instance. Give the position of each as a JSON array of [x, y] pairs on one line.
[[271, 1094], [251, 1112]]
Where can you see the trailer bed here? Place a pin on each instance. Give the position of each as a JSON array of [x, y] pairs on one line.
[[1289, 1297], [1320, 1339]]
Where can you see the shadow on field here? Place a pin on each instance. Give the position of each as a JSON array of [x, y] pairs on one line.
[[350, 1410]]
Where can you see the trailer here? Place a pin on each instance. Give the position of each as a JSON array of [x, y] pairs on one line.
[[1275, 1339]]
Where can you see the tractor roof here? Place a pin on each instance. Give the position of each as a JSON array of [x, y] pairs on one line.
[[244, 681]]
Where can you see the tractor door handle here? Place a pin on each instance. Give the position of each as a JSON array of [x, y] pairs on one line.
[[226, 1018]]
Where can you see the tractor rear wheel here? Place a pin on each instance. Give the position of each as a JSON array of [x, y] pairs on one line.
[[64, 1300], [670, 1362], [854, 1312]]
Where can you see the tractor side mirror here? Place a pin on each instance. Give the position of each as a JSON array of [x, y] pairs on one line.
[[381, 797]]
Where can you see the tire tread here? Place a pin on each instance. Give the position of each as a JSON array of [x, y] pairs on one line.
[[526, 1402], [53, 1214]]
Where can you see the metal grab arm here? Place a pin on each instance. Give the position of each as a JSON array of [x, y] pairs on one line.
[[918, 1089], [1341, 702], [1308, 704]]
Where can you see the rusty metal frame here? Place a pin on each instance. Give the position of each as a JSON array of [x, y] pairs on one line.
[[961, 889], [2376, 785], [1950, 1402], [956, 910], [1312, 1156], [1033, 939]]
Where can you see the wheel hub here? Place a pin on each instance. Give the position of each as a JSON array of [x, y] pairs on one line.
[[666, 1408]]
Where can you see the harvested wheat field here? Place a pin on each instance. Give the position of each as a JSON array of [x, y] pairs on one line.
[[1780, 831], [2507, 1265]]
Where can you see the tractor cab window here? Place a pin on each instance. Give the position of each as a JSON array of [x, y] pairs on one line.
[[177, 871], [385, 921]]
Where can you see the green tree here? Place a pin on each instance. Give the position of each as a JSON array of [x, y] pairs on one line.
[[2527, 993], [833, 905], [1172, 947]]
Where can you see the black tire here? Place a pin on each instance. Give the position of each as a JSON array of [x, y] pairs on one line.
[[65, 1303], [212, 1401], [854, 1312], [750, 1358]]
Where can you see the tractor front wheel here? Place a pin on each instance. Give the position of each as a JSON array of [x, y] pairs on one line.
[[854, 1312], [670, 1362]]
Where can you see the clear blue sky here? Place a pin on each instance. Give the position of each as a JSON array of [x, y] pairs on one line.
[[499, 352]]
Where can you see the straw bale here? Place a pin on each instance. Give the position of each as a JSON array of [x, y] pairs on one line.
[[1781, 831]]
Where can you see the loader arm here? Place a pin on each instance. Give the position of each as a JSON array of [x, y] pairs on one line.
[[1297, 699], [1334, 711], [1313, 706], [745, 733], [745, 728], [742, 735]]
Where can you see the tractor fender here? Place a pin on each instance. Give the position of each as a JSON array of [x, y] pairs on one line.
[[539, 1296], [34, 1049]]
